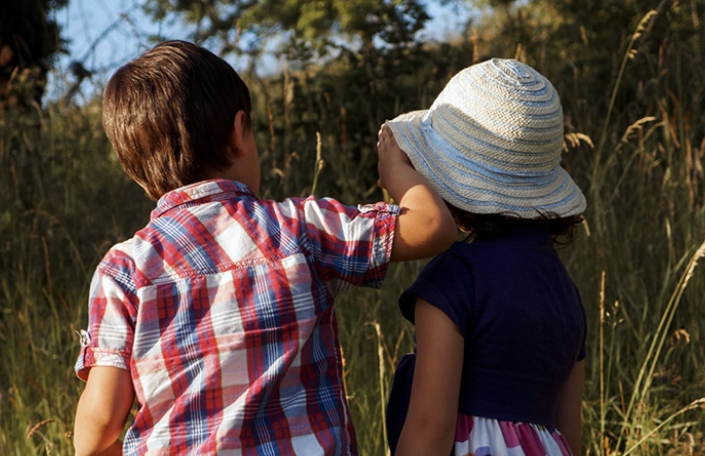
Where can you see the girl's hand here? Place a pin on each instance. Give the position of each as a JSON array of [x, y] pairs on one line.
[[389, 155], [424, 226]]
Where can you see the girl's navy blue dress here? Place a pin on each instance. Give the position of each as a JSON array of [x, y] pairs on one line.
[[524, 327]]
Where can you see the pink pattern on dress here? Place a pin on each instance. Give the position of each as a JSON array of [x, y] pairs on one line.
[[463, 428]]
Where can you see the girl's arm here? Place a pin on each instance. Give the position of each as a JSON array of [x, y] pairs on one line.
[[425, 226], [430, 423], [102, 412], [568, 419]]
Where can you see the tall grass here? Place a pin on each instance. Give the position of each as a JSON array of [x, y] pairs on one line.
[[648, 235], [64, 201]]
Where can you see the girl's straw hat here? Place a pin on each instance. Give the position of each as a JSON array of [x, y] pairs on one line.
[[491, 143]]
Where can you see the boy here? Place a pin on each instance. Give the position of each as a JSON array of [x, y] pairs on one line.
[[217, 316]]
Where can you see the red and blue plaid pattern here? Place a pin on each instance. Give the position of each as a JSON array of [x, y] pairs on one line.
[[221, 309]]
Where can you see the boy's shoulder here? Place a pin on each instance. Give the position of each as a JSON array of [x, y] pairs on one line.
[[119, 264], [209, 227]]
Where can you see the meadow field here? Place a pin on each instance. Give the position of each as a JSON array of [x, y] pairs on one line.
[[635, 143]]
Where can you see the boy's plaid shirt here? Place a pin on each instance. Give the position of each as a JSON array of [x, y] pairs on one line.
[[221, 309]]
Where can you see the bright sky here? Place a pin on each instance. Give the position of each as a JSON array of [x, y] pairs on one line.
[[104, 34]]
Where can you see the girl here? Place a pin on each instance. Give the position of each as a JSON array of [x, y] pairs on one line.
[[500, 326]]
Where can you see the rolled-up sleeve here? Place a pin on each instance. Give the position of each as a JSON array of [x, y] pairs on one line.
[[352, 245], [110, 332]]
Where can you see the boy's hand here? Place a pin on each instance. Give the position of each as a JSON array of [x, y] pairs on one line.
[[389, 155]]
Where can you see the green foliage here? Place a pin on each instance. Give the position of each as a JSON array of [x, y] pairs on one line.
[[303, 28], [29, 39]]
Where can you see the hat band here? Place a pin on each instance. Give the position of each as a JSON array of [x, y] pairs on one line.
[[488, 167]]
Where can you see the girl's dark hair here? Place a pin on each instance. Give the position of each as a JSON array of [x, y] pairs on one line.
[[490, 226], [169, 115]]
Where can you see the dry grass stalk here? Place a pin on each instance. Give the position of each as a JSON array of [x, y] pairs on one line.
[[36, 427]]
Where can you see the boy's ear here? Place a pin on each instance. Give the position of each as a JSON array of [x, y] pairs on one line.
[[238, 134]]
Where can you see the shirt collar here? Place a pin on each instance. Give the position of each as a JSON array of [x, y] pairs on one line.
[[200, 192]]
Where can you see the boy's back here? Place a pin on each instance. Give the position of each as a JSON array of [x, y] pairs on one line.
[[218, 315], [226, 319]]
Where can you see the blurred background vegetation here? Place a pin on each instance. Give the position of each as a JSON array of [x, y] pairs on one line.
[[632, 82]]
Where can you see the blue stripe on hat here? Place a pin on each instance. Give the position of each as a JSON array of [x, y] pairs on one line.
[[447, 151], [433, 169]]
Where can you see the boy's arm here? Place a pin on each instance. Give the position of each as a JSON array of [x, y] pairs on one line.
[[424, 227], [102, 412], [568, 419], [429, 428]]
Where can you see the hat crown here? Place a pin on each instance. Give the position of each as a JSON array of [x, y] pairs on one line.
[[501, 110]]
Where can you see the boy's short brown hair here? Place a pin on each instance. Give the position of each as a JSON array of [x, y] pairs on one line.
[[169, 114]]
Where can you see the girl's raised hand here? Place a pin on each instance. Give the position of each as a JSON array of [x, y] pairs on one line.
[[389, 155], [424, 226]]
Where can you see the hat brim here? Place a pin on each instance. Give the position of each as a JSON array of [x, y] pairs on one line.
[[472, 186]]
